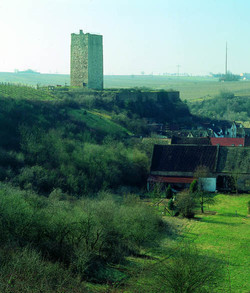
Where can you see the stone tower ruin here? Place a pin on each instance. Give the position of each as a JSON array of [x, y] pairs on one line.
[[86, 66]]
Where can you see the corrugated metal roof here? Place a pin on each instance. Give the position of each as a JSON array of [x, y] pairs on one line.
[[183, 158]]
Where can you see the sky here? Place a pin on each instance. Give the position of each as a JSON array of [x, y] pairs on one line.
[[150, 36]]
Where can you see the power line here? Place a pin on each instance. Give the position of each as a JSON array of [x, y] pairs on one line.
[[226, 61]]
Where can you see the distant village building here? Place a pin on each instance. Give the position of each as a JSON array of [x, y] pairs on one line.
[[220, 141], [86, 68], [247, 132], [217, 129], [236, 130], [227, 141]]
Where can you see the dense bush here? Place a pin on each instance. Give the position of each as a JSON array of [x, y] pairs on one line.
[[169, 192], [186, 204], [80, 233], [189, 271], [79, 168], [134, 102], [50, 149], [25, 270], [193, 186], [184, 269], [224, 106]]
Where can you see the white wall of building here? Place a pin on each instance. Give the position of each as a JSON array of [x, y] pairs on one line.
[[208, 184]]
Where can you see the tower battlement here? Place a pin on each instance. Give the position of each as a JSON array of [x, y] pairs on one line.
[[86, 66]]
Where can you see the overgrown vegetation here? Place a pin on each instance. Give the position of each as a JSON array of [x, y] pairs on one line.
[[226, 106], [44, 145], [57, 153], [76, 140], [83, 236], [68, 219], [132, 107], [229, 77], [188, 271], [186, 204]]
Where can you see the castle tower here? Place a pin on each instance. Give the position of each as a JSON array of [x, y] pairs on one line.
[[86, 67]]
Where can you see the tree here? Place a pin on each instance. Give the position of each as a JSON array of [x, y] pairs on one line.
[[229, 77], [186, 204], [171, 207], [202, 172], [171, 204], [205, 198], [157, 190], [202, 196], [193, 186], [235, 175], [169, 192], [184, 269], [189, 271]]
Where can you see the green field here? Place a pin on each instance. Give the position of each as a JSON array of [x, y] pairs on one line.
[[34, 79], [226, 234], [191, 88], [25, 92], [223, 232]]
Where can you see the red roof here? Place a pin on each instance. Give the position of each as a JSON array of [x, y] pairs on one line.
[[163, 179], [227, 141]]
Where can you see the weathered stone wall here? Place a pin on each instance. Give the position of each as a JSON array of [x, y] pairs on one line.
[[171, 96], [128, 94], [86, 61], [95, 62], [79, 59]]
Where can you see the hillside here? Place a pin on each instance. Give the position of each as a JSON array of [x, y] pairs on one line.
[[50, 136], [79, 141], [68, 163], [225, 105], [159, 106], [75, 215]]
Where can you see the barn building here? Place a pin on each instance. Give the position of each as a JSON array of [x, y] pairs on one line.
[[177, 164]]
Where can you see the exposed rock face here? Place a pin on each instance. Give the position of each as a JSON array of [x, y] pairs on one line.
[[86, 68]]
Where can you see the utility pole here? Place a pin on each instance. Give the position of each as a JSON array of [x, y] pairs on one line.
[[178, 68], [226, 61]]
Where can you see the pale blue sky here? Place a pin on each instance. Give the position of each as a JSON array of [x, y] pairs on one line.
[[139, 35]]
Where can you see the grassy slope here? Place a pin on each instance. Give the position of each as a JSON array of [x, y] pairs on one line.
[[99, 121], [227, 234], [93, 119], [24, 92], [220, 232]]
